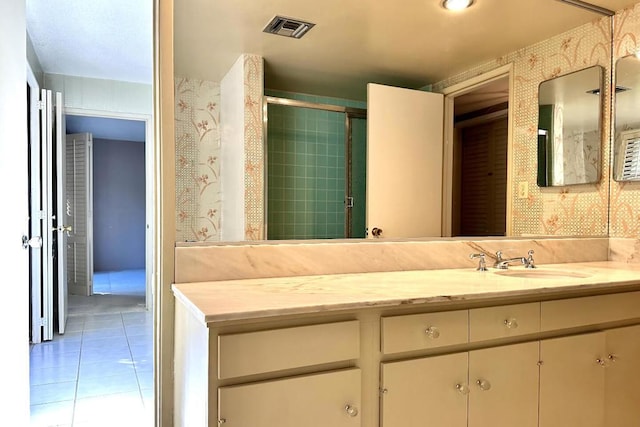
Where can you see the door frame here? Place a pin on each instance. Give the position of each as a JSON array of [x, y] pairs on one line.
[[149, 153], [450, 93]]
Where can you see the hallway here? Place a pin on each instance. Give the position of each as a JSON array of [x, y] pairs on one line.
[[100, 372]]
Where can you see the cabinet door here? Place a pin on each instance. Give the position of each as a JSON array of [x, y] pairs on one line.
[[504, 386], [330, 399], [430, 391], [622, 397], [572, 379]]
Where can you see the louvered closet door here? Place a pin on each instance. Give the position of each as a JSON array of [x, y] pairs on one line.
[[484, 179], [79, 204]]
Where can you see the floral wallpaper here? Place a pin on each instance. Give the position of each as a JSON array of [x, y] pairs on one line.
[[624, 218], [198, 198], [576, 210]]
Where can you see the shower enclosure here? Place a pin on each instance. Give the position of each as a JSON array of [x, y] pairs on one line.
[[316, 169]]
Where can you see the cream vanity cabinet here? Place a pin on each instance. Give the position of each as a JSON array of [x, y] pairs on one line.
[[495, 386], [587, 379], [556, 362], [591, 379], [320, 400], [325, 398], [488, 387]]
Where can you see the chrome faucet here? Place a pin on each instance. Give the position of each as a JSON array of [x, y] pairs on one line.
[[503, 263], [482, 263]]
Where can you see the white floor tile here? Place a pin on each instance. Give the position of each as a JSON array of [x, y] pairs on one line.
[[100, 369], [101, 386], [39, 376], [52, 414], [119, 356], [54, 392], [101, 410], [103, 361]]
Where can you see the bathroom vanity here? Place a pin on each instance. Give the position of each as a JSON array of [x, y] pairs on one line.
[[555, 346]]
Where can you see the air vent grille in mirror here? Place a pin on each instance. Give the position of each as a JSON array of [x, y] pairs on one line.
[[618, 90], [288, 27], [631, 166]]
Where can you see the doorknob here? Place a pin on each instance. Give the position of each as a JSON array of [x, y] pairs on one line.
[[67, 228], [34, 242]]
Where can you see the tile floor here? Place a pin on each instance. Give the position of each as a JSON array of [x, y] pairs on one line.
[[100, 372]]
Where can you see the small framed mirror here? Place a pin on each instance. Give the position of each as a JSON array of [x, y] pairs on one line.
[[570, 128], [626, 146]]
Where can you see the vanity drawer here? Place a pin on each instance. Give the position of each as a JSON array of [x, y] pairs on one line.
[[504, 321], [575, 312], [273, 350], [424, 331]]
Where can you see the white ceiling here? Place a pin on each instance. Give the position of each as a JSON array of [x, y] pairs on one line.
[[107, 39], [408, 43]]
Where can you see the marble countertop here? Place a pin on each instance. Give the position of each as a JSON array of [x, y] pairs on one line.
[[220, 301]]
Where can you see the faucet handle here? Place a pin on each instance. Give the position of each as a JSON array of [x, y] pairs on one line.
[[530, 262], [482, 263], [498, 256]]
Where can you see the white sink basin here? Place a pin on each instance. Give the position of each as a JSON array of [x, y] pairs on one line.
[[536, 273]]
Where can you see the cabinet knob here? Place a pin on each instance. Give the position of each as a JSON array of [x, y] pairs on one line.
[[612, 357], [432, 332], [484, 384], [462, 388], [222, 421], [602, 362], [352, 411], [511, 323]]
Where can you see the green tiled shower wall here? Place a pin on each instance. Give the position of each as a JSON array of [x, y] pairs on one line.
[[306, 169]]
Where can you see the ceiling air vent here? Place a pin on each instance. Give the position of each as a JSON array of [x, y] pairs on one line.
[[288, 27]]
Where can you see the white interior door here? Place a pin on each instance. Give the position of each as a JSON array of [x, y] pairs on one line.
[[35, 209], [62, 229], [78, 200], [404, 162], [46, 161]]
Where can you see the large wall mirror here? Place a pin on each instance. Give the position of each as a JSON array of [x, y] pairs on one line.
[[626, 145], [569, 128], [317, 67]]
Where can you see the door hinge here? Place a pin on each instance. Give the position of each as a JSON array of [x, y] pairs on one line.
[[41, 215], [40, 105], [42, 322]]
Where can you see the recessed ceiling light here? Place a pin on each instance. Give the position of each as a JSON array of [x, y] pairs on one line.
[[456, 4]]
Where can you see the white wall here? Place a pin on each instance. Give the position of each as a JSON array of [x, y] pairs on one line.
[[232, 168], [102, 95], [14, 304], [34, 62]]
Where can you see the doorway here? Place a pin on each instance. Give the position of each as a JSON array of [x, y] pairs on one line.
[[477, 131], [104, 358], [118, 212]]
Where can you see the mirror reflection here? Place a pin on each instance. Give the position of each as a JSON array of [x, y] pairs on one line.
[[569, 128], [626, 149], [316, 167]]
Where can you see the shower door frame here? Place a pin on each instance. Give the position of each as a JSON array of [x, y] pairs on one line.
[[350, 114]]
